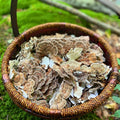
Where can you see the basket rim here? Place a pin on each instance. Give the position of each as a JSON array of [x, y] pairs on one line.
[[66, 112]]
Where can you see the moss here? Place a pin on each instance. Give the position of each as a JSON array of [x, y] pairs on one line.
[[26, 4], [102, 17], [34, 13], [5, 21], [5, 5], [41, 13]]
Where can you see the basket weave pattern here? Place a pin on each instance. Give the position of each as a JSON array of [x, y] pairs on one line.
[[67, 113]]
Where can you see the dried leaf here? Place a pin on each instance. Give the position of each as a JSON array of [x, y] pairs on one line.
[[111, 106]]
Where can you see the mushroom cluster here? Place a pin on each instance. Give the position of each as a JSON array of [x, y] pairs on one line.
[[59, 71]]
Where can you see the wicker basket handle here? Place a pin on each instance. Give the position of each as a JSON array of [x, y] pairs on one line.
[[14, 18]]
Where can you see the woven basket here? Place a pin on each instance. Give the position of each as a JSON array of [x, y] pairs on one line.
[[48, 29]]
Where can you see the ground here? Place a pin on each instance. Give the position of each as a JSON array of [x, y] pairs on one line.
[[30, 14]]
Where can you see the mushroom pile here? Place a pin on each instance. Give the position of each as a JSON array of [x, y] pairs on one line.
[[59, 71]]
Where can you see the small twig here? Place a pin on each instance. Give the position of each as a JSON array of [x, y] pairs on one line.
[[84, 16], [111, 5], [93, 9]]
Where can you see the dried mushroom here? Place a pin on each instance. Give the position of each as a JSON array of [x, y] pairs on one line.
[[75, 53], [45, 48], [41, 102], [19, 79], [65, 89], [12, 68], [78, 90], [59, 71], [57, 102]]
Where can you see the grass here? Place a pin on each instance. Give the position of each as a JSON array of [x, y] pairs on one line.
[[31, 13]]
